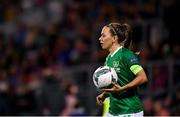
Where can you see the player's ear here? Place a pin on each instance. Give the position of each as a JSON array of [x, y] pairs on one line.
[[115, 38]]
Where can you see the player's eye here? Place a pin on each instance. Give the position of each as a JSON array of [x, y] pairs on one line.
[[103, 35]]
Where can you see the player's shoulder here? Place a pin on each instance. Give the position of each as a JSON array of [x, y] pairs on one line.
[[130, 56], [126, 51]]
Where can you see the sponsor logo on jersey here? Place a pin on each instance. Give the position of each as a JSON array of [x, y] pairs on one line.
[[134, 60]]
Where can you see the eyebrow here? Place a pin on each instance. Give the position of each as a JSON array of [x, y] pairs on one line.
[[102, 34]]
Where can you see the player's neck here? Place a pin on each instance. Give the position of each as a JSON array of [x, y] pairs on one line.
[[114, 48]]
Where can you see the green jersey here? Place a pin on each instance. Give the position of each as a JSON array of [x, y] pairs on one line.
[[125, 102]]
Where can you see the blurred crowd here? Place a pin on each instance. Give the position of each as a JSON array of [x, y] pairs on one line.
[[40, 39], [164, 105]]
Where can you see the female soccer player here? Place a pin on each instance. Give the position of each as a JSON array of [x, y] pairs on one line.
[[124, 100]]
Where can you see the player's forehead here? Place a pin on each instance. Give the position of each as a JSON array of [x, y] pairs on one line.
[[105, 30]]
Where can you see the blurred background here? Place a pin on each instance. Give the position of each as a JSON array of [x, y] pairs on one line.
[[49, 50]]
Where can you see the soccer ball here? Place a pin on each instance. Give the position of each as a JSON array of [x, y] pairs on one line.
[[104, 76]]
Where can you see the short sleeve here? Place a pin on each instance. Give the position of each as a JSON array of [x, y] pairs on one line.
[[136, 69], [131, 59]]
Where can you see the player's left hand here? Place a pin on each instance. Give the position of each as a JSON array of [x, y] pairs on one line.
[[115, 87]]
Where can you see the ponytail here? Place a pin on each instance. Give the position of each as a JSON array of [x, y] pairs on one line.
[[128, 37]]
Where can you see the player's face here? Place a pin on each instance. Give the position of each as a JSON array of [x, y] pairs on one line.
[[106, 39]]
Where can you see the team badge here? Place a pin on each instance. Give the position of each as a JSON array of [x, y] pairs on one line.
[[115, 63]]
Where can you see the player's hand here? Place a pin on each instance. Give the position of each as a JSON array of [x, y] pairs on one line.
[[115, 87], [100, 98]]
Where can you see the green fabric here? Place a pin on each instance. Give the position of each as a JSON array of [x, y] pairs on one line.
[[125, 102], [136, 68]]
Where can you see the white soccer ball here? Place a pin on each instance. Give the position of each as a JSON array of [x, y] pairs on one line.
[[104, 76]]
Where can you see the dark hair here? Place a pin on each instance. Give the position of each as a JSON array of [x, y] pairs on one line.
[[123, 32]]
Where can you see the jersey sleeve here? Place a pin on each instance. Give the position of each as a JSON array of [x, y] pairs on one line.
[[131, 59], [136, 69]]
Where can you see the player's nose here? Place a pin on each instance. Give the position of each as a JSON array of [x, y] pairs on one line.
[[100, 38]]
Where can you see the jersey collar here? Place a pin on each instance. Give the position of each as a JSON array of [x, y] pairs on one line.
[[116, 51]]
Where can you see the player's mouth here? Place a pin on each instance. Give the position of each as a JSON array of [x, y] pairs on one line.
[[101, 43]]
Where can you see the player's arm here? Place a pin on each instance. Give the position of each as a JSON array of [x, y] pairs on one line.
[[136, 68], [140, 78], [100, 98]]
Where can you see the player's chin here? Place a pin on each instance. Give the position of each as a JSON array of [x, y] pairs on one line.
[[102, 44], [103, 47]]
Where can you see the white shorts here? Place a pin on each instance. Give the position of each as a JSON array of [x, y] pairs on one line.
[[139, 114]]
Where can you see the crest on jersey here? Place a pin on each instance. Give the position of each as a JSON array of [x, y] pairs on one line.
[[115, 63]]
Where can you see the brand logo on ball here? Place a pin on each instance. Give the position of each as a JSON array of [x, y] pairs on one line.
[[103, 71]]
